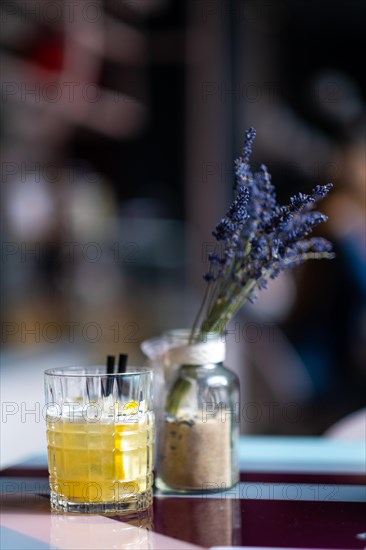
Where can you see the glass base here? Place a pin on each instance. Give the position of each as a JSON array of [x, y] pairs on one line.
[[207, 488], [137, 503]]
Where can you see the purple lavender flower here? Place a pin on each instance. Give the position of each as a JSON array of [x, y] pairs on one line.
[[260, 239], [224, 230], [237, 212], [243, 172]]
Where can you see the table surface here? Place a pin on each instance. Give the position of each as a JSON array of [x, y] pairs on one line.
[[293, 493]]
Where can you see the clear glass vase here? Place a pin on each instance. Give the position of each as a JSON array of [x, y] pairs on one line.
[[197, 447]]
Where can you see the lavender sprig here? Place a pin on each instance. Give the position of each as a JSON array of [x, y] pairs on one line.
[[256, 241]]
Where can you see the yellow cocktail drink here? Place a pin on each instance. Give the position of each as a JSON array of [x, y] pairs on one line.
[[100, 461]]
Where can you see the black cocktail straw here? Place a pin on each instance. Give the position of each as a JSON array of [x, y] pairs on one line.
[[110, 364], [110, 370], [122, 363]]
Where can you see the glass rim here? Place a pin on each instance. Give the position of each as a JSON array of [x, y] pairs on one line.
[[88, 371]]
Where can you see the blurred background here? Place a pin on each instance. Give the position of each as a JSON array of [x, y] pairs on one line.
[[120, 123]]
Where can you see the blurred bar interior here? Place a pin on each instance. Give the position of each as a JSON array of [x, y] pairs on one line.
[[120, 123]]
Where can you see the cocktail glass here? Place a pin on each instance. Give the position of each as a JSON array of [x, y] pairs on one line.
[[100, 436]]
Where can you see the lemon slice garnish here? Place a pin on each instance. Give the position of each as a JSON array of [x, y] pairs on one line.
[[131, 408]]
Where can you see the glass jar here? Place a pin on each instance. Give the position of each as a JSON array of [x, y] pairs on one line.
[[199, 435]]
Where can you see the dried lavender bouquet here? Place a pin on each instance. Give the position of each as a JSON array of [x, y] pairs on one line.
[[255, 242]]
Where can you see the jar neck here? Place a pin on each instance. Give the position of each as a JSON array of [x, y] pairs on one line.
[[209, 350], [203, 367], [182, 336]]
